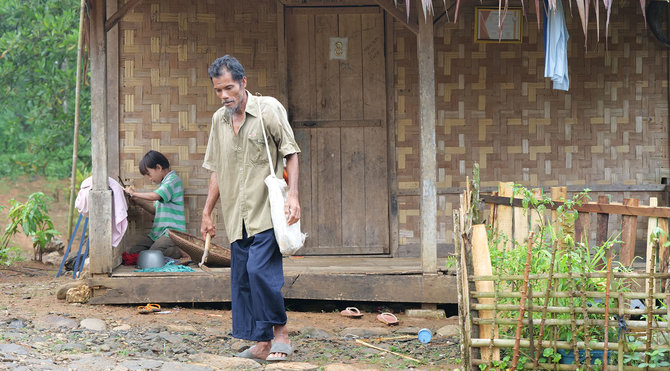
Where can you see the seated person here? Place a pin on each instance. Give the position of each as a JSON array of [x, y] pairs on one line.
[[166, 202]]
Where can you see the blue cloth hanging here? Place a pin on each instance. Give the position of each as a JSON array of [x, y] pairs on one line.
[[556, 46]]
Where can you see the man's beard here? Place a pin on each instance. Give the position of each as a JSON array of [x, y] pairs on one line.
[[231, 110]]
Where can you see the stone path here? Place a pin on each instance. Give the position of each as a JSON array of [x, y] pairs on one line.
[[60, 343]]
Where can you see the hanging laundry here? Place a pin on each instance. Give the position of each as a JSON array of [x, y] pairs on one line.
[[556, 46], [119, 207]]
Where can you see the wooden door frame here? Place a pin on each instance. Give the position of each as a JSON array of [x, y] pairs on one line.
[[391, 172]]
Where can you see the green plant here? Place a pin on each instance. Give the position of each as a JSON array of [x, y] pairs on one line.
[[33, 218], [555, 252], [450, 262]]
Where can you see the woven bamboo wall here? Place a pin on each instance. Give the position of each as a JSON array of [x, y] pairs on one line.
[[166, 98], [495, 107]]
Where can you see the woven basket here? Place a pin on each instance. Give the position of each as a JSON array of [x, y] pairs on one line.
[[194, 246]]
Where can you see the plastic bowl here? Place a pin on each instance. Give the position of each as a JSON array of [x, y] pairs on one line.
[[149, 259]]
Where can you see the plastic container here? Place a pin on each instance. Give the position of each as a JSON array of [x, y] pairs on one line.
[[425, 335]]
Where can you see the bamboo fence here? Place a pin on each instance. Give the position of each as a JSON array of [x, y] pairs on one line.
[[516, 322]]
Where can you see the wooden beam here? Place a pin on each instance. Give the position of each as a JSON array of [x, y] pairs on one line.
[[100, 197], [396, 13], [591, 207], [116, 17], [282, 57], [391, 136], [203, 287], [113, 95], [628, 234], [427, 147]]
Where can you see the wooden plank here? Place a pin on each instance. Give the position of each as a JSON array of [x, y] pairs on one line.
[[521, 224], [113, 94], [652, 225], [311, 123], [602, 222], [329, 188], [590, 207], [392, 178], [415, 288], [557, 194], [401, 17], [116, 17], [376, 193], [301, 89], [505, 215], [664, 250], [536, 218], [582, 227], [100, 197], [374, 77], [481, 261], [351, 69], [629, 230], [303, 138], [354, 191], [215, 287], [327, 70], [427, 146], [282, 64]]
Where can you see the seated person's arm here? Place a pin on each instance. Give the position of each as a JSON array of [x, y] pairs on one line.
[[144, 199]]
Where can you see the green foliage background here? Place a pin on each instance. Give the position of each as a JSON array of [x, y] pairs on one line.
[[38, 62]]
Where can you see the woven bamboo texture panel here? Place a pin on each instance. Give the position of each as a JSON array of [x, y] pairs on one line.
[[495, 107], [166, 98]]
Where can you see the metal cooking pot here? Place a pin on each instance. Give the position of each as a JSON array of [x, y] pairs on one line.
[[149, 259]]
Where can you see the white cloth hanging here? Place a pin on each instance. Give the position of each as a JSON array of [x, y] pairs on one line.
[[556, 47], [119, 207]]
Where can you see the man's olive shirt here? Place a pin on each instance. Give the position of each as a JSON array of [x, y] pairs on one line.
[[241, 162]]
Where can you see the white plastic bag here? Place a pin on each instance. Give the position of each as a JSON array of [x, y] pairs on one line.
[[289, 237]]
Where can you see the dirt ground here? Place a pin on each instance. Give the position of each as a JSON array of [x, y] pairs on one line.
[[28, 290]]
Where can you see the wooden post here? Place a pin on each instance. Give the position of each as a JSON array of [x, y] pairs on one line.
[[536, 220], [521, 224], [505, 214], [582, 226], [561, 227], [652, 225], [100, 197], [602, 222], [428, 156], [628, 233], [481, 262]]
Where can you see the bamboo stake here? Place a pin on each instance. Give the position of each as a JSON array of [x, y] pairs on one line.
[[573, 314], [585, 326], [607, 301], [621, 332], [463, 346], [650, 300], [522, 304], [388, 351], [550, 282], [77, 103]]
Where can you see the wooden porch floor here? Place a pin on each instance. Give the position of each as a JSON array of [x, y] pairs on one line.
[[317, 278]]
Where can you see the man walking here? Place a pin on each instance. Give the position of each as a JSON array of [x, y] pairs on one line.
[[238, 160]]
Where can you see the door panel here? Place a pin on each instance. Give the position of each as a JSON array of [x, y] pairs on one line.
[[337, 106]]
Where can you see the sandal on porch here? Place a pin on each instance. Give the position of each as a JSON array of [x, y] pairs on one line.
[[149, 308], [280, 348], [351, 312], [388, 318]]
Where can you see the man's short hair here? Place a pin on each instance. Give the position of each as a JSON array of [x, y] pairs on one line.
[[230, 64], [151, 160]]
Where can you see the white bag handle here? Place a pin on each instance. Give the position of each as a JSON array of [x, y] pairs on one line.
[[267, 148]]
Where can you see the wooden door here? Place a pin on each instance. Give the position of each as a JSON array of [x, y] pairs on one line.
[[337, 106]]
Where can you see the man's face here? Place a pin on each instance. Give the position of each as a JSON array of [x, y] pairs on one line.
[[229, 91]]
